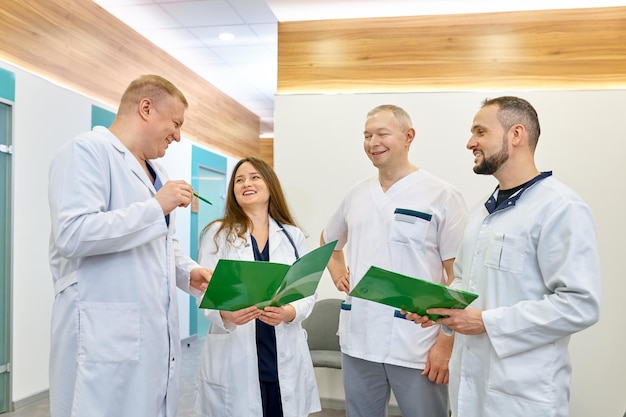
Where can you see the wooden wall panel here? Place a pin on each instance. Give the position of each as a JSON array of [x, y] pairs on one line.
[[78, 44], [267, 150], [574, 48]]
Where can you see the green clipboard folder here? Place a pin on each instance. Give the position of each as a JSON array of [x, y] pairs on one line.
[[411, 294], [237, 284]]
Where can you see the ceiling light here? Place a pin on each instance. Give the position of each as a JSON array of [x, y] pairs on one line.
[[226, 36]]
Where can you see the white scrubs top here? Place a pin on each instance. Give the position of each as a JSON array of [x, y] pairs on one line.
[[410, 229]]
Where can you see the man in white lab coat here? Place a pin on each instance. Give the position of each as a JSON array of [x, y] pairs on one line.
[[530, 253], [115, 348]]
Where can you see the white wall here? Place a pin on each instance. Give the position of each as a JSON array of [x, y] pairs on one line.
[[46, 116], [318, 155]]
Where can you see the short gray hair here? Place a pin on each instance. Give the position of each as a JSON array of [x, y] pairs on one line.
[[398, 112]]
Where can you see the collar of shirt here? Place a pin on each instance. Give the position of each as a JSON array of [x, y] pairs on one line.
[[490, 204]]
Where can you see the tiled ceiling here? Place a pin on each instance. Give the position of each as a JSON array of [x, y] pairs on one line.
[[245, 68]]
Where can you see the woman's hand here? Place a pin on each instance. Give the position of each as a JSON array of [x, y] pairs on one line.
[[276, 315], [242, 316]]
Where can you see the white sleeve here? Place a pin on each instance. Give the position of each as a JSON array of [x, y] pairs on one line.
[[337, 227], [208, 256]]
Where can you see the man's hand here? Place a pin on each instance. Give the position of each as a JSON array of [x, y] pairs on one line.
[[342, 282], [438, 358], [174, 193], [199, 278], [466, 321]]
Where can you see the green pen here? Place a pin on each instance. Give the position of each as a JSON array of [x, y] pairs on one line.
[[202, 198]]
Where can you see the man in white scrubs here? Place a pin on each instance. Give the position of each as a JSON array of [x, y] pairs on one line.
[[405, 220], [115, 348], [530, 253]]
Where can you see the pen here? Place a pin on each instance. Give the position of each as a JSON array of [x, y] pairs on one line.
[[202, 198]]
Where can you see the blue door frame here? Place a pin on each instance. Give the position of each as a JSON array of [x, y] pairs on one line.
[[208, 178], [7, 98]]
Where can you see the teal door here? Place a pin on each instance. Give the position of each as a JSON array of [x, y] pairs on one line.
[[208, 178], [5, 256]]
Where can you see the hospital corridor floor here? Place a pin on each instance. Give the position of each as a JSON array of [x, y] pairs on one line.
[[191, 352]]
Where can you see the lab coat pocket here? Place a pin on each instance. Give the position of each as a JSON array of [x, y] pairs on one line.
[[505, 253], [524, 381], [211, 400], [409, 228], [344, 320], [212, 390], [302, 364], [109, 332], [217, 355]]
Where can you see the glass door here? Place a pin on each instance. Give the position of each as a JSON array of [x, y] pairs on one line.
[[210, 183], [208, 179], [5, 255]]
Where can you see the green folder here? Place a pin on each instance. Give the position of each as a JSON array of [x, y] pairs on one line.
[[407, 293], [239, 284]]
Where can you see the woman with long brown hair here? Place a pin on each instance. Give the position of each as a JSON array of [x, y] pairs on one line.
[[256, 362]]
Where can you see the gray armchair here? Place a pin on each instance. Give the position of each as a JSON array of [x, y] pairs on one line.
[[321, 327]]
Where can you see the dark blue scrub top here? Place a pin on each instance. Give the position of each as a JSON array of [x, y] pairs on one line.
[[265, 334]]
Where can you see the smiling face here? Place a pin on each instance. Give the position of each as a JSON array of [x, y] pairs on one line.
[[386, 139], [488, 142], [249, 187], [166, 119]]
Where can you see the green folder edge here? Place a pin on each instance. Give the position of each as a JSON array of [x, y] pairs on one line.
[[223, 294], [407, 293]]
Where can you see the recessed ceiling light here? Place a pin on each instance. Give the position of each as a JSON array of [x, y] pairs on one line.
[[226, 36]]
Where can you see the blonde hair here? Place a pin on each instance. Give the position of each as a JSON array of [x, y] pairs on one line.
[[398, 112], [153, 87]]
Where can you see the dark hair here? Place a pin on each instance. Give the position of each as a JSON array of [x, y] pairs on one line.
[[515, 110], [235, 221]]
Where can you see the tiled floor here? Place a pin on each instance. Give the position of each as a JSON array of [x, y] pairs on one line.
[[191, 351]]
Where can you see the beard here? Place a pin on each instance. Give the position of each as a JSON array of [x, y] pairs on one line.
[[490, 164]]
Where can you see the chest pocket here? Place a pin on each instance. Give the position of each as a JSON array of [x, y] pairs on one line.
[[409, 227], [506, 253]]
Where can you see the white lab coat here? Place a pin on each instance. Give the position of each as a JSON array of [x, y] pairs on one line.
[[228, 382], [535, 267], [115, 347]]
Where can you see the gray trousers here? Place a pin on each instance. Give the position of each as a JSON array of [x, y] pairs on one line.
[[368, 387]]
